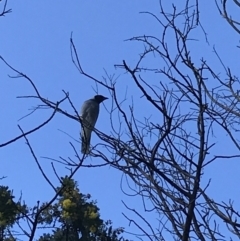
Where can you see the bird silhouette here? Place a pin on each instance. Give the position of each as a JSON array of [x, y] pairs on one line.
[[89, 115]]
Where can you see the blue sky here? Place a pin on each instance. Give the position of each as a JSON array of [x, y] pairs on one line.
[[35, 40]]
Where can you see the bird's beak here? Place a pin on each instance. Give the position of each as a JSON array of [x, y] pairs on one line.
[[105, 98]]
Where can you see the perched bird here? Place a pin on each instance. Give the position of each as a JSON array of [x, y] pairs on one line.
[[89, 114]]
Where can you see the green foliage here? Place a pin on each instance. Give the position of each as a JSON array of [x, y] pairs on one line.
[[8, 208], [78, 217], [8, 211], [72, 216]]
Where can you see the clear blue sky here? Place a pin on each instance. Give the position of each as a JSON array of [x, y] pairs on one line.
[[35, 40]]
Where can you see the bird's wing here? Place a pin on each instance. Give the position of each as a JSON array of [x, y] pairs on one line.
[[89, 114]]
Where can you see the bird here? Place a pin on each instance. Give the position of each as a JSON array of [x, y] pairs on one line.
[[89, 115]]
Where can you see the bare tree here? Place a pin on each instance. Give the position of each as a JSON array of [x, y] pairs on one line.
[[225, 13], [164, 158], [4, 9]]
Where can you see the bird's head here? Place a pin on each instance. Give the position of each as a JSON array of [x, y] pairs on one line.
[[99, 98]]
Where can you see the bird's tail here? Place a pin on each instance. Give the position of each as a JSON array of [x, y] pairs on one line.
[[86, 137]]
